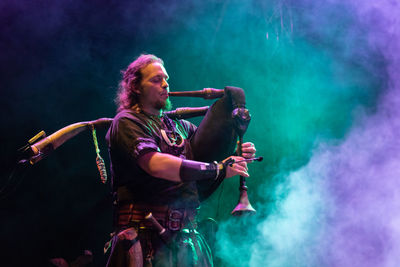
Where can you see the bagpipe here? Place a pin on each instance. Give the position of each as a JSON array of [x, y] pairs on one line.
[[216, 138]]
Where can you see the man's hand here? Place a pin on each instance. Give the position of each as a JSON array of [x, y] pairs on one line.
[[239, 168], [248, 150]]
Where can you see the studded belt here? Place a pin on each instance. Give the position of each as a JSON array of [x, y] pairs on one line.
[[173, 219]]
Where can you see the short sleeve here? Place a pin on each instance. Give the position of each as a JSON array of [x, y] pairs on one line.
[[130, 136]]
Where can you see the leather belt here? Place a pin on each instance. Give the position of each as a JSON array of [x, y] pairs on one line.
[[172, 218]]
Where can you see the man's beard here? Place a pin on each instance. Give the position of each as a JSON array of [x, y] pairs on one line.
[[163, 105]]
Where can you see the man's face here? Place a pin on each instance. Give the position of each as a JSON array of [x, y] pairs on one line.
[[153, 94]]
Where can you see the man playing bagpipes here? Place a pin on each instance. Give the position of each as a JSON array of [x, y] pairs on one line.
[[157, 178]]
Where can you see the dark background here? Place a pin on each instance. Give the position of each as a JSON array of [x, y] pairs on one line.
[[60, 63]]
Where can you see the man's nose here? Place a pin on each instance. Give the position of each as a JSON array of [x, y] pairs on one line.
[[165, 84]]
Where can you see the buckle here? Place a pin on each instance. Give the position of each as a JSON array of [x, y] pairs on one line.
[[175, 218]]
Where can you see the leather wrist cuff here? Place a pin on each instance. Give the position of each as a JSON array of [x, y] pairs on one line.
[[193, 170]]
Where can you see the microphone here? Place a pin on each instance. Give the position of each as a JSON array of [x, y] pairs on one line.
[[26, 150], [206, 93]]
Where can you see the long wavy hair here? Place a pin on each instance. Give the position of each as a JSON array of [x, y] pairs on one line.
[[131, 79]]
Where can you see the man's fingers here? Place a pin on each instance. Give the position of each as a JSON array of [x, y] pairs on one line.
[[243, 173], [246, 144], [240, 168], [241, 165], [249, 149], [240, 172], [248, 155]]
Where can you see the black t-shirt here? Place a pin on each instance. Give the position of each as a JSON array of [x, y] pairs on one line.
[[133, 134]]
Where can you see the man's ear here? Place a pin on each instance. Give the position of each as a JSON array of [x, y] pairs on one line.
[[136, 90]]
